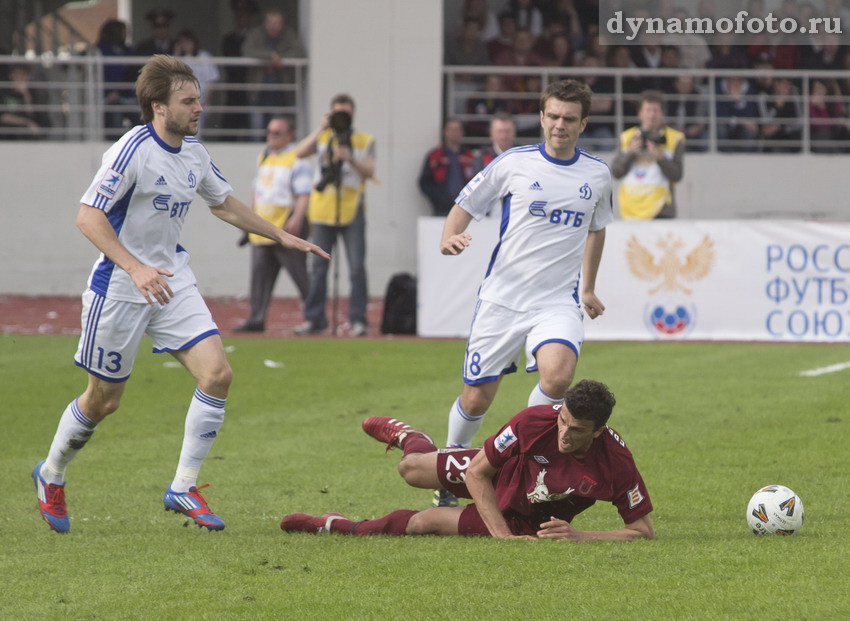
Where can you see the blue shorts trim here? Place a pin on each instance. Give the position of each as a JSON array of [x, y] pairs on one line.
[[490, 378], [189, 344], [533, 368], [114, 380]]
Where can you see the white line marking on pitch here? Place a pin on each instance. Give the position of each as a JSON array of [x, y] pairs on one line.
[[824, 370]]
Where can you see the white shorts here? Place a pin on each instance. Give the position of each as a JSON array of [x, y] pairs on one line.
[[112, 330], [498, 334]]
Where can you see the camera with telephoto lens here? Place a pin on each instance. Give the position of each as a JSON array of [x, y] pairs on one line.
[[657, 138], [340, 124]]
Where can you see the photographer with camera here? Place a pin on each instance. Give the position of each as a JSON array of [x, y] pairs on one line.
[[346, 161], [650, 161]]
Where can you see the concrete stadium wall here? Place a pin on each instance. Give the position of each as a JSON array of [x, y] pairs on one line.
[[42, 253]]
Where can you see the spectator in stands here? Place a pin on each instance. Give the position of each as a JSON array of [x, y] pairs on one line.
[[562, 16], [687, 111], [620, 57], [112, 42], [592, 47], [480, 11], [737, 115], [693, 48], [522, 55], [187, 47], [599, 133], [781, 115], [19, 119], [724, 55], [467, 48], [528, 16], [671, 58], [827, 57], [505, 41], [447, 169], [502, 137], [231, 46], [826, 118], [650, 162], [488, 103], [160, 41], [272, 42], [561, 52]]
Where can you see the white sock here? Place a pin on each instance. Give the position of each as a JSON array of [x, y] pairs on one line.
[[462, 426], [74, 430], [538, 397], [203, 420]]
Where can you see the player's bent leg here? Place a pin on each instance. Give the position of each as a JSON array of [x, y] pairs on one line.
[[435, 521], [207, 363], [557, 364], [420, 470], [101, 398], [476, 398]]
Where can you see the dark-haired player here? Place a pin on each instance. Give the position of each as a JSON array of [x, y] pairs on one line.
[[545, 466]]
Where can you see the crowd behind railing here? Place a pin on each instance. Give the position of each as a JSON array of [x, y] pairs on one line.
[[782, 93]]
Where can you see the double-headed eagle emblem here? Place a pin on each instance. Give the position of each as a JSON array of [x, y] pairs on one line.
[[669, 267]]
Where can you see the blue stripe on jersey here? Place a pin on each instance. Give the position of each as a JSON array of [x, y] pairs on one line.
[[180, 248], [575, 291], [103, 272], [506, 216], [593, 157], [555, 160], [217, 171], [161, 142], [129, 148], [525, 149]]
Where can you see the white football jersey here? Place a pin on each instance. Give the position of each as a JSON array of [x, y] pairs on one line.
[[547, 208], [145, 188]]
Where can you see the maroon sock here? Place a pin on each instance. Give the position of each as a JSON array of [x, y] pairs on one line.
[[417, 443], [394, 523]]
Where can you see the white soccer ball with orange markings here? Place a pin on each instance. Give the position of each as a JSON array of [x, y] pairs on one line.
[[775, 510]]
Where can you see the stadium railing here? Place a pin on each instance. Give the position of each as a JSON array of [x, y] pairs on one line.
[[68, 93], [465, 88]]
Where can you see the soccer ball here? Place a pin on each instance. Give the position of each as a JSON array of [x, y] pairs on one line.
[[775, 510]]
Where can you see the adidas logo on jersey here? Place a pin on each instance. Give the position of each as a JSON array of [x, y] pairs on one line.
[[161, 181], [535, 186]]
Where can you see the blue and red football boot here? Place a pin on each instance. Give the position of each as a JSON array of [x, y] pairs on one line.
[[51, 501], [192, 504]]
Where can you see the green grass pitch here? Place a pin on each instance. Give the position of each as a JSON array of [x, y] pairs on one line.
[[708, 425]]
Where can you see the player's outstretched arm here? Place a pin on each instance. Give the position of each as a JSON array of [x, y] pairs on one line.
[[593, 306], [454, 239], [235, 212], [149, 280], [479, 482], [559, 529]]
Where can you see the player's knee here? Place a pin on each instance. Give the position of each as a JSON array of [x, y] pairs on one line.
[[556, 382], [420, 524], [409, 469], [100, 407], [475, 402], [218, 379]]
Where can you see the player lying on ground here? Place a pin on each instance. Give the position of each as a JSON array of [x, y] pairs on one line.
[[545, 466]]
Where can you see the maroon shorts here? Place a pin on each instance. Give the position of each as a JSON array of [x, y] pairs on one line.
[[451, 470]]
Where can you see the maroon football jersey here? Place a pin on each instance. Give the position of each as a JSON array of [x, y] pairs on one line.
[[536, 481]]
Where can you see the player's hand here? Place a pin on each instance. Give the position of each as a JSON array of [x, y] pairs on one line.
[[341, 153], [455, 244], [593, 306], [559, 529], [290, 241], [151, 285]]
